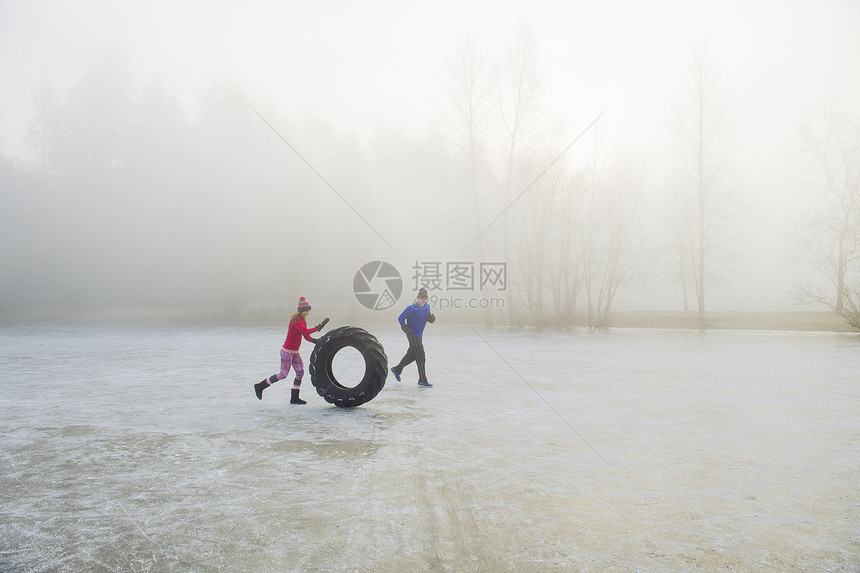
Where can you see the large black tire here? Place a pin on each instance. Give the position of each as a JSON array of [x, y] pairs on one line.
[[375, 367]]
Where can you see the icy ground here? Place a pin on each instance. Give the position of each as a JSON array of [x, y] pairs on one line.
[[129, 448]]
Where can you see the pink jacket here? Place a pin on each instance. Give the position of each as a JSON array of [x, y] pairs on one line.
[[298, 329]]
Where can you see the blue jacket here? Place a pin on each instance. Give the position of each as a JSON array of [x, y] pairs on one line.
[[415, 317]]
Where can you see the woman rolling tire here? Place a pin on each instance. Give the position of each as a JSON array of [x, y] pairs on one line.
[[375, 367]]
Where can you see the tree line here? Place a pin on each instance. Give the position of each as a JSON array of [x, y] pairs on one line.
[[134, 200]]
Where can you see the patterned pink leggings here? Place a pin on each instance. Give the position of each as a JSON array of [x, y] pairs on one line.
[[289, 359]]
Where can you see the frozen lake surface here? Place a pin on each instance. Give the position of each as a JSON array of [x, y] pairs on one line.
[[139, 448]]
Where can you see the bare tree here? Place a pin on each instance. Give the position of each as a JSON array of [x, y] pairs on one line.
[[537, 247], [566, 270], [521, 110], [467, 113], [834, 233], [590, 255], [45, 134], [704, 201], [619, 260], [520, 101], [608, 211]]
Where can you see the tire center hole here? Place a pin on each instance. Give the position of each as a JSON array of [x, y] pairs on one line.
[[348, 367]]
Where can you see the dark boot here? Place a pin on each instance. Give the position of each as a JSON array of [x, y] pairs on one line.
[[295, 398], [259, 387]]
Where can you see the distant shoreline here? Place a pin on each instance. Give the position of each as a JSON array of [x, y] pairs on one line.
[[808, 321], [803, 321]]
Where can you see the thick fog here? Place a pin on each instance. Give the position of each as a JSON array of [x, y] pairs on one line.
[[239, 155]]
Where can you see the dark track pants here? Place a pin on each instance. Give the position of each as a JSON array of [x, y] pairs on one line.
[[414, 354]]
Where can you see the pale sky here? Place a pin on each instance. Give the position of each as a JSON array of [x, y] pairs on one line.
[[378, 62]]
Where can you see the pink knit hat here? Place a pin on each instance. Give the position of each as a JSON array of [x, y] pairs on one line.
[[304, 305]]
